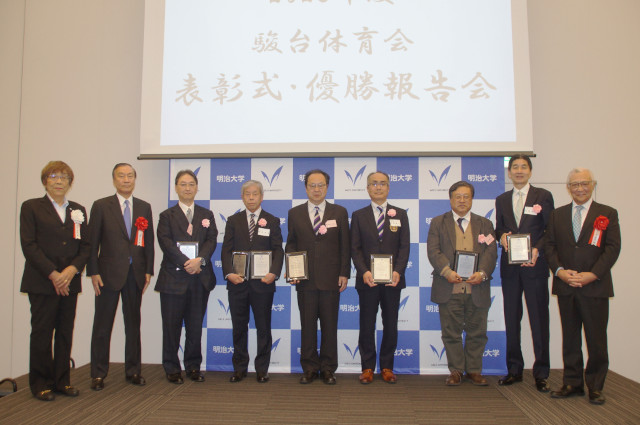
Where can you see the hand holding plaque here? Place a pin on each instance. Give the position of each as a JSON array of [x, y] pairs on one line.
[[519, 248], [382, 268], [466, 264], [260, 264], [296, 265], [239, 263]]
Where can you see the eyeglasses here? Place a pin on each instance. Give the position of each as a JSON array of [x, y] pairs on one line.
[[584, 185], [379, 184], [462, 197], [317, 185], [55, 177], [187, 185]]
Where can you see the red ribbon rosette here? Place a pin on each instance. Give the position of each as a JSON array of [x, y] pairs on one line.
[[141, 224], [599, 225]]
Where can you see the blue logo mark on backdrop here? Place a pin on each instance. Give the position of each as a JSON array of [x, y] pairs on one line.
[[438, 178], [435, 351], [358, 175], [273, 177], [403, 303], [274, 346], [224, 307], [489, 214], [352, 352]]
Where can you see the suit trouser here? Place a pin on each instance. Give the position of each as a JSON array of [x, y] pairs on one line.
[[105, 311], [51, 314], [577, 311], [457, 315], [389, 300], [189, 307], [321, 305], [241, 301], [536, 294]]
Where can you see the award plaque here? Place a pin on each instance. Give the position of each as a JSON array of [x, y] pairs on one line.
[[239, 263], [519, 251], [190, 249], [466, 264], [260, 264], [382, 268], [296, 265]]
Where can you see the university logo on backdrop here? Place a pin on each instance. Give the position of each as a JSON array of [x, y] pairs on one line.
[[408, 310], [437, 175], [433, 357], [403, 176], [429, 311], [349, 310], [485, 174], [351, 177], [227, 177], [349, 351], [276, 175], [218, 315]]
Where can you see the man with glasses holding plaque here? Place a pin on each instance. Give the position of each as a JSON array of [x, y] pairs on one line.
[[381, 230], [582, 243], [320, 229], [461, 247], [251, 234], [524, 213], [187, 236]]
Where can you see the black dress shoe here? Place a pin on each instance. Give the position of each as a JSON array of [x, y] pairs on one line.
[[328, 377], [238, 376], [509, 379], [46, 395], [69, 391], [308, 377], [596, 397], [175, 378], [136, 379], [262, 378], [195, 375], [97, 384], [542, 386], [567, 391]]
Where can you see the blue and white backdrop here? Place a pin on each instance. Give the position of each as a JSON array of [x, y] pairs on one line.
[[420, 185]]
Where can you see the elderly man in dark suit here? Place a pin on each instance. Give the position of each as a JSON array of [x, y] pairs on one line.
[[55, 244], [252, 229], [187, 236], [463, 303], [379, 228], [322, 230], [582, 244], [120, 265], [525, 209]]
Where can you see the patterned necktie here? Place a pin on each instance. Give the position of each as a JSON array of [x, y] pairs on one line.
[[252, 226], [519, 208], [189, 215], [380, 223], [577, 222], [460, 220], [127, 217], [316, 221]]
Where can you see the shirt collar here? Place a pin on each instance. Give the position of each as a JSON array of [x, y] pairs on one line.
[[184, 207], [375, 206], [65, 204], [585, 206], [466, 217], [256, 212], [524, 190], [121, 199], [321, 206]]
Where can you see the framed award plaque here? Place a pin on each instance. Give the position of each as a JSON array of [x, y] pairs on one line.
[[296, 265], [519, 251], [466, 263], [382, 268]]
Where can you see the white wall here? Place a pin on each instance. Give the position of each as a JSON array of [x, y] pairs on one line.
[[70, 90]]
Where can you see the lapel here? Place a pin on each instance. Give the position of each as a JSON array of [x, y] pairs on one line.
[[114, 205], [450, 227], [371, 220], [182, 223], [567, 217], [507, 207], [48, 206], [587, 227]]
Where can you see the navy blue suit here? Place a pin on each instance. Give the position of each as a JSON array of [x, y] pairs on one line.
[[532, 281]]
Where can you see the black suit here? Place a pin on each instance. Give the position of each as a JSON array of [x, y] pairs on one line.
[[586, 306], [532, 281], [329, 258], [49, 245], [122, 265], [252, 293], [364, 242], [184, 297]]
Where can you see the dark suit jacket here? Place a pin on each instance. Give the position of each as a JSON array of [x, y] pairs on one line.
[[48, 245], [364, 242], [441, 250], [328, 255], [533, 224], [172, 228], [111, 247], [236, 238], [563, 251]]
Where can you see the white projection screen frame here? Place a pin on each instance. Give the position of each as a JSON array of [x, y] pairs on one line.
[[273, 78]]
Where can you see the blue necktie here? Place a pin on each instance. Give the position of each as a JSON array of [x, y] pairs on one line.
[[380, 223], [577, 222], [316, 221], [460, 220], [127, 217]]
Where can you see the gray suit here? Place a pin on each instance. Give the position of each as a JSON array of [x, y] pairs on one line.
[[461, 312]]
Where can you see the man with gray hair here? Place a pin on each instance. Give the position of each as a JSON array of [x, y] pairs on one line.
[[582, 243], [252, 229]]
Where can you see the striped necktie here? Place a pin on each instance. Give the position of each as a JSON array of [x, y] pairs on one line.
[[380, 223], [577, 222], [316, 220], [252, 226]]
